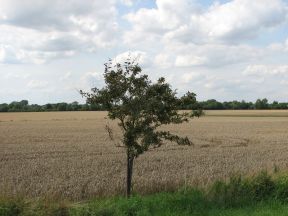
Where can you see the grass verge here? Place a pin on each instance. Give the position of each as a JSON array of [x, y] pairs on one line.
[[259, 195]]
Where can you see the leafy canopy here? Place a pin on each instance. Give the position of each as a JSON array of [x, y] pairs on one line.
[[140, 106]]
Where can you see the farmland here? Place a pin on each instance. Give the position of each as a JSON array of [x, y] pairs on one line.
[[69, 154]]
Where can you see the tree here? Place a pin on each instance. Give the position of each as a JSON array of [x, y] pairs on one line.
[[74, 106], [212, 104], [48, 107], [274, 105], [24, 103], [189, 102], [141, 107], [62, 106], [4, 107], [262, 104]]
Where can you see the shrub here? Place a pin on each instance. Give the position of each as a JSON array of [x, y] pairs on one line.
[[10, 207], [281, 190], [233, 193], [262, 186]]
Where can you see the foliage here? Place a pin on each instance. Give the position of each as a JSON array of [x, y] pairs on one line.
[[263, 186], [262, 104], [241, 105], [26, 107], [141, 107]]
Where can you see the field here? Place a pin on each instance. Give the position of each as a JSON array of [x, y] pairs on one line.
[[69, 155]]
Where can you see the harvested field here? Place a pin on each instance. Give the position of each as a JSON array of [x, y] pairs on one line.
[[69, 155]]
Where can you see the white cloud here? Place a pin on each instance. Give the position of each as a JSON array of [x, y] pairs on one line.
[[90, 80], [66, 76], [225, 84], [233, 21], [11, 54], [240, 19], [286, 45], [37, 84], [284, 82], [190, 77], [2, 54], [211, 55], [14, 75], [8, 54], [54, 14], [189, 60], [261, 70], [140, 57], [148, 23], [163, 60], [127, 2], [37, 31]]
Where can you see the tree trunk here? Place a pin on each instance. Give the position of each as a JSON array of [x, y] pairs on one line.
[[129, 174]]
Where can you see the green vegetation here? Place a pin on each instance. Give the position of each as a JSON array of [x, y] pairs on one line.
[[259, 195], [260, 104], [24, 106]]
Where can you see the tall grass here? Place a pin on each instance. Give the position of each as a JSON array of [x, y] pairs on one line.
[[239, 196]]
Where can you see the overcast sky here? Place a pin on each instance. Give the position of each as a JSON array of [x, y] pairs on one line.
[[224, 49]]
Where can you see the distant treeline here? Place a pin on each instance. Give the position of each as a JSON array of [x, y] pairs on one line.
[[242, 105], [24, 106]]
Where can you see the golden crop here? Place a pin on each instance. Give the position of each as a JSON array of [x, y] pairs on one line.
[[69, 154]]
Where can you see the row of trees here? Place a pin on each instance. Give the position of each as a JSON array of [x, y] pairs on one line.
[[231, 105], [242, 105], [24, 106]]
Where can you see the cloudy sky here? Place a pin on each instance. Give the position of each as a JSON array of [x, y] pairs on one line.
[[221, 49]]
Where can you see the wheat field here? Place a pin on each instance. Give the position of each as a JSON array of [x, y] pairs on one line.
[[68, 155]]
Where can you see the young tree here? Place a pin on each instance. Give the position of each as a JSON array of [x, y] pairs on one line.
[[141, 108]]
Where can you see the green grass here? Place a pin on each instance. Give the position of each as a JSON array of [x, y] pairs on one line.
[[163, 204], [259, 195]]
